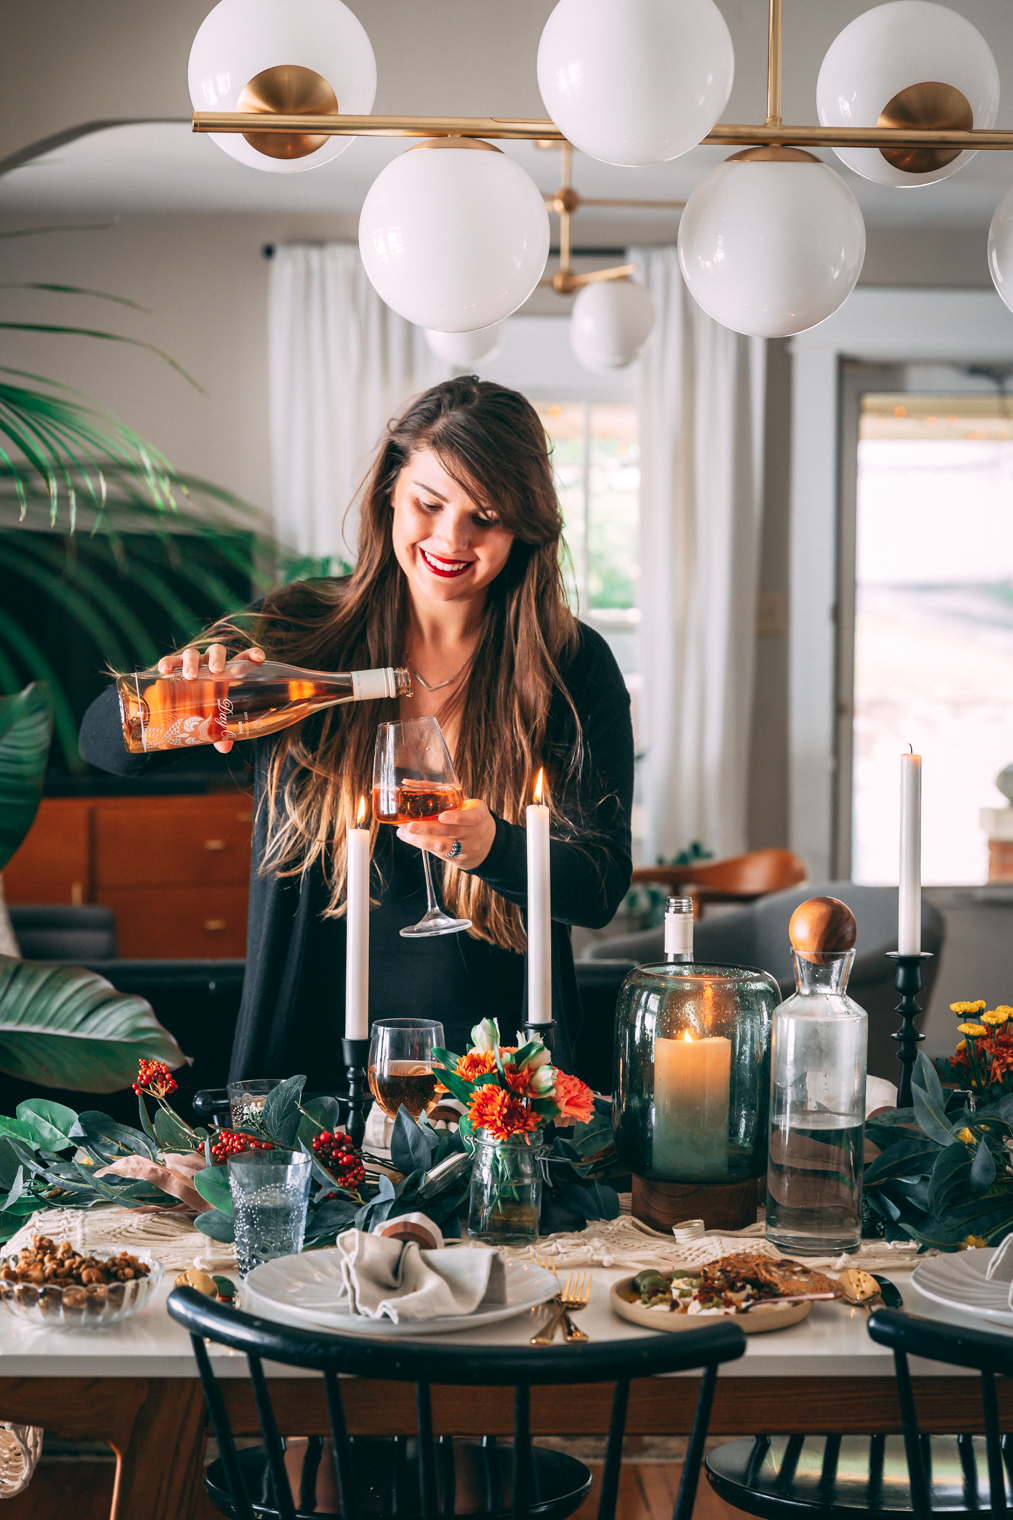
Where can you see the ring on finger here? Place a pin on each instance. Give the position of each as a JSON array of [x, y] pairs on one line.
[[455, 850]]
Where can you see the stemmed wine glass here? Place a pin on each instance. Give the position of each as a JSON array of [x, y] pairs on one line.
[[413, 778], [400, 1064]]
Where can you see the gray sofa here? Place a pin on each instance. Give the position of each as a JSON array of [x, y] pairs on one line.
[[757, 935]]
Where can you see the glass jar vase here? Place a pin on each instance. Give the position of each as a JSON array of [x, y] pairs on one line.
[[506, 1189], [692, 1072]]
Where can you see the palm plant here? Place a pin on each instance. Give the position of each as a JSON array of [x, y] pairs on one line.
[[155, 546]]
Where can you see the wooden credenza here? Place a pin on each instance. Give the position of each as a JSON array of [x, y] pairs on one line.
[[174, 870]]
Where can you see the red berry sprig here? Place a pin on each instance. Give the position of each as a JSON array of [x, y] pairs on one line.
[[338, 1155], [232, 1142], [155, 1078]]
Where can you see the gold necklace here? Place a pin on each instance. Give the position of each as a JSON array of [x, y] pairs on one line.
[[438, 685]]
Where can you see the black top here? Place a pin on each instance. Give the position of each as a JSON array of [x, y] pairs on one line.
[[292, 1013]]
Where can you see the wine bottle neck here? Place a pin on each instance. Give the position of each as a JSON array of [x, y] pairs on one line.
[[679, 929]]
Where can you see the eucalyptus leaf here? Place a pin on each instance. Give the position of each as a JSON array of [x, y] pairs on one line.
[[69, 1028], [170, 1131], [216, 1225], [26, 727], [53, 1125], [925, 1077], [950, 1178], [17, 1187], [213, 1186], [10, 1223], [318, 1114], [281, 1112], [907, 1158], [411, 1147], [982, 1168], [931, 1115], [106, 1140]]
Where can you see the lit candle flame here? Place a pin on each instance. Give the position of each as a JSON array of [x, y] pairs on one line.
[[688, 1037], [360, 816], [539, 786]]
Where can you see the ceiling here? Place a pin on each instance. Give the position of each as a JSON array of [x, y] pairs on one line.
[[455, 56]]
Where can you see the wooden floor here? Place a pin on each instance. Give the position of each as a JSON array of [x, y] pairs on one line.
[[83, 1489]]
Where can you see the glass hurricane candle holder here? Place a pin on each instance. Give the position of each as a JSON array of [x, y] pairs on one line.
[[691, 1088]]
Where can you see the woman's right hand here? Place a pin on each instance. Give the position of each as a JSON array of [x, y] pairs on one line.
[[190, 663]]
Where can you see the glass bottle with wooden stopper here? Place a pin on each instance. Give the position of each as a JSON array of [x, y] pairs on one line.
[[817, 1091], [246, 701]]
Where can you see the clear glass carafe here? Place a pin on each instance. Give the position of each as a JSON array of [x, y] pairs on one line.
[[817, 1110]]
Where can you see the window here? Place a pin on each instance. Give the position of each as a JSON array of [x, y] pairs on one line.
[[933, 625], [595, 457]]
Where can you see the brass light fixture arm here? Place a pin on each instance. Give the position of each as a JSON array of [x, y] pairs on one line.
[[523, 130], [775, 18]]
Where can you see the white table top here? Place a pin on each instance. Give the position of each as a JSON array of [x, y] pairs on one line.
[[832, 1342]]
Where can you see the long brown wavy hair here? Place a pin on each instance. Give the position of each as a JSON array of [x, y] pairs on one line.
[[491, 441]]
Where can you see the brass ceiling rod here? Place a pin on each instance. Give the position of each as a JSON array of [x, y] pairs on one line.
[[723, 135]]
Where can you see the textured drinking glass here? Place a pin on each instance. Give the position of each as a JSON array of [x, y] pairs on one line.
[[401, 1064], [246, 1102], [817, 1111], [414, 778], [270, 1192]]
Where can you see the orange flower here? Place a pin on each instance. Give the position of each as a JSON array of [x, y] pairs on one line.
[[500, 1112], [575, 1099], [476, 1064]]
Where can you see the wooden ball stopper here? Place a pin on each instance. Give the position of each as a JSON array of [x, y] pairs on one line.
[[822, 923]]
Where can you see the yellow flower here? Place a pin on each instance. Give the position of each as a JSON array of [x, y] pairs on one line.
[[963, 1009], [973, 1243], [995, 1016], [961, 1046], [966, 1136], [974, 1030]]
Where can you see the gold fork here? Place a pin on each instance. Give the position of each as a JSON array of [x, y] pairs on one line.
[[573, 1296]]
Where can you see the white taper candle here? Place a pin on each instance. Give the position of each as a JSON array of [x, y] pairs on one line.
[[539, 910], [357, 931], [909, 904]]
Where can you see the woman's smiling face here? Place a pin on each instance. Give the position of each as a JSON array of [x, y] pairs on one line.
[[449, 547]]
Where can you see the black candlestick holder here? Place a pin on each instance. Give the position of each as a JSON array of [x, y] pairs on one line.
[[355, 1054], [544, 1032], [908, 982]]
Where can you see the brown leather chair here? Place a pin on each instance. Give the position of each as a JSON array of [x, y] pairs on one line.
[[740, 878]]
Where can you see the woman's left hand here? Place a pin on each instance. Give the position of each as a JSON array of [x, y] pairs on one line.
[[471, 824]]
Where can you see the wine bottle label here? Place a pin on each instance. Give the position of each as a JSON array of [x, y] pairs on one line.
[[372, 685], [177, 714], [678, 934]]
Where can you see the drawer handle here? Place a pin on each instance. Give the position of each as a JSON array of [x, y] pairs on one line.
[[245, 817], [214, 925], [215, 844]]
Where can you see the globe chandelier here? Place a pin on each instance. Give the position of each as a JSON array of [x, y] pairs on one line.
[[771, 241]]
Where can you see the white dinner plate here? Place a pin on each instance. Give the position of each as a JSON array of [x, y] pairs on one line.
[[307, 1287], [958, 1281]]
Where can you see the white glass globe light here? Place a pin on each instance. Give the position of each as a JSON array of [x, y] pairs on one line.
[[771, 242], [300, 57], [1000, 249], [464, 348], [635, 81], [611, 322], [909, 63], [454, 235]]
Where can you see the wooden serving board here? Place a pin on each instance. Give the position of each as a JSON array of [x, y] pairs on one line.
[[754, 1322]]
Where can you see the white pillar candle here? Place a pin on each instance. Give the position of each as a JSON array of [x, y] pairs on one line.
[[539, 910], [909, 904], [692, 1082], [357, 930]]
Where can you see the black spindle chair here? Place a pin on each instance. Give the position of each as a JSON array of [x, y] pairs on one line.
[[417, 1478], [843, 1477]]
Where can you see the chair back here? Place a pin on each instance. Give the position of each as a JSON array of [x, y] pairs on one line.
[[957, 1346], [424, 1363], [739, 877]]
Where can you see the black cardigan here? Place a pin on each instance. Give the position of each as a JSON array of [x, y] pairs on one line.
[[292, 1009]]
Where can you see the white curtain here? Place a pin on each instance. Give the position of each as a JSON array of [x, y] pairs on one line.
[[701, 403], [341, 365]]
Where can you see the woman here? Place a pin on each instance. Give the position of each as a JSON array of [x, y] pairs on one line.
[[457, 578]]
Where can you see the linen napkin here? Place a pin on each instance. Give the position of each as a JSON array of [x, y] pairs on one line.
[[398, 1280]]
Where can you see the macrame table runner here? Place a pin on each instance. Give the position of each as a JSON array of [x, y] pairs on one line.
[[102, 1231]]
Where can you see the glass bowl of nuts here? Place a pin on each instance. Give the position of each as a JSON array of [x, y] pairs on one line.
[[62, 1288]]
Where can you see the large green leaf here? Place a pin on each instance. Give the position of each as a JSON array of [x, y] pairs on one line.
[[68, 1028], [26, 727]]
